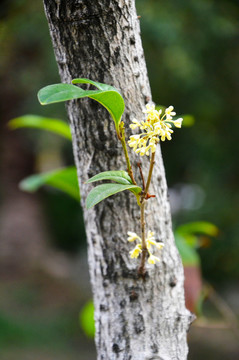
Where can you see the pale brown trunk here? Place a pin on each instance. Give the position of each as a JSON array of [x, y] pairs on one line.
[[135, 318]]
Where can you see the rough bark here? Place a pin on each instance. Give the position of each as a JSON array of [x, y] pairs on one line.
[[135, 318]]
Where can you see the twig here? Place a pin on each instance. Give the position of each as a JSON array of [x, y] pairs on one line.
[[151, 166], [141, 270], [145, 196], [141, 174], [121, 137]]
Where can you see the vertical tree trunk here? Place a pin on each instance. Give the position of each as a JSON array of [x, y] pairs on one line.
[[135, 318]]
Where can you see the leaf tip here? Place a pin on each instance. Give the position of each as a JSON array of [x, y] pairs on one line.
[[23, 186], [39, 97]]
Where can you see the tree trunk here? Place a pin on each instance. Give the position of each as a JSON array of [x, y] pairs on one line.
[[135, 318]]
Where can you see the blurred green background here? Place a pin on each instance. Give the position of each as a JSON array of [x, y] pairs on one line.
[[192, 55]]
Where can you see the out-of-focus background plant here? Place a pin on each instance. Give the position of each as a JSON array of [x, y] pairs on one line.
[[192, 54]]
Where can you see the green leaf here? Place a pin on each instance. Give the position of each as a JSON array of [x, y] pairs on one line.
[[106, 95], [198, 227], [120, 176], [109, 97], [39, 122], [87, 319], [61, 92], [64, 179], [160, 107], [191, 240], [188, 120], [189, 255], [103, 191], [99, 86]]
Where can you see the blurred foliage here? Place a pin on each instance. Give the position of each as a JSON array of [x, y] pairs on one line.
[[190, 237], [39, 122], [192, 54], [25, 334], [39, 316], [27, 59], [86, 318], [69, 232], [64, 179], [64, 218]]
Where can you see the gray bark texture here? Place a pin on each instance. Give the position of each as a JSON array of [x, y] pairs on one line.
[[137, 319]]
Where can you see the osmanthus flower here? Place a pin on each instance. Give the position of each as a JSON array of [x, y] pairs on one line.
[[152, 259], [150, 241], [136, 251], [155, 127]]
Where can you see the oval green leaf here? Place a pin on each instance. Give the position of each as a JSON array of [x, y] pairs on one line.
[[64, 179], [188, 120], [189, 255], [119, 176], [87, 319], [106, 95], [99, 86], [103, 191], [109, 97], [198, 227], [56, 126]]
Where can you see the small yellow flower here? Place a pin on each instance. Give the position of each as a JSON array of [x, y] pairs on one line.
[[154, 128], [178, 122], [150, 241], [170, 113], [136, 251], [152, 259], [135, 124], [132, 236], [159, 245], [152, 113], [134, 141]]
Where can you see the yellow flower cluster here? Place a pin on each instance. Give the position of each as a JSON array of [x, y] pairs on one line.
[[150, 241], [155, 127]]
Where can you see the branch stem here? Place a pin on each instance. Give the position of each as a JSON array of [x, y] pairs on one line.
[[151, 166], [126, 154], [141, 174], [141, 270], [144, 197]]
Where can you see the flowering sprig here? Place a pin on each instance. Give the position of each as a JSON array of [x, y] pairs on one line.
[[155, 127], [150, 241]]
